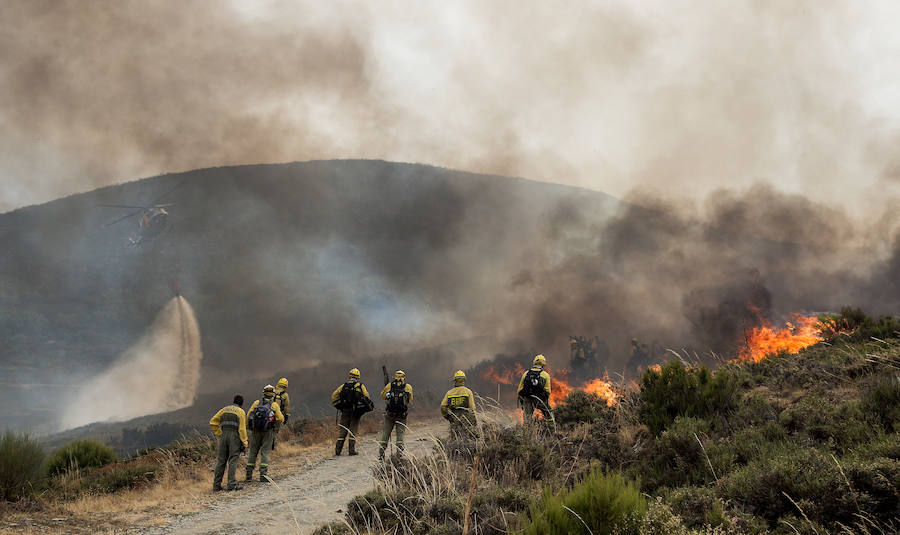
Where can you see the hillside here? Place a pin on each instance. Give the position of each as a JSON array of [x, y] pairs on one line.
[[286, 266], [794, 443]]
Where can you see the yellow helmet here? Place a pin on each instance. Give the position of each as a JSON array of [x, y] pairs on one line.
[[354, 373], [399, 374], [283, 382], [540, 360], [459, 374]]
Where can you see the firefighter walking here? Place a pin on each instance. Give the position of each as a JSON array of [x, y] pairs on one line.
[[534, 391], [352, 400], [264, 417], [398, 394], [230, 425], [284, 402], [458, 407]]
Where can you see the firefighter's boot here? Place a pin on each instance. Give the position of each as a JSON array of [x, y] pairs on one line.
[[262, 474], [381, 451], [338, 446], [249, 473], [352, 447]]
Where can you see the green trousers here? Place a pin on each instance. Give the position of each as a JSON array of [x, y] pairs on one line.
[[228, 453], [349, 426], [391, 422], [529, 404], [260, 444]]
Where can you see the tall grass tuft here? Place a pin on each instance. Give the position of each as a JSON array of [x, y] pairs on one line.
[[20, 465], [77, 455], [602, 502]]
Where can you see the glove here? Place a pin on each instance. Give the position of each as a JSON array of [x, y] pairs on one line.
[[243, 449]]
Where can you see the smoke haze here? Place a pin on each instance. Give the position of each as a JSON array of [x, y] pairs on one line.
[[685, 97]]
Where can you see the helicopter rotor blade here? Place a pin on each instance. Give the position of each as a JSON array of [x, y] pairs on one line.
[[123, 218], [176, 186]]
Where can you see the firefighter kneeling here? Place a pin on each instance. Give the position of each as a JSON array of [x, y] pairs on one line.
[[264, 415], [352, 399], [534, 391], [458, 407]]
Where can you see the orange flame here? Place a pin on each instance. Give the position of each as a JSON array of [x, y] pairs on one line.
[[767, 340], [560, 385]]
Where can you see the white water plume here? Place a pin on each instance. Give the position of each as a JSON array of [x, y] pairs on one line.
[[159, 373]]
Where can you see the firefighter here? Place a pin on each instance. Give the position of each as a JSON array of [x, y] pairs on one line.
[[264, 417], [534, 391], [458, 407], [398, 394], [352, 399], [230, 425], [284, 402]]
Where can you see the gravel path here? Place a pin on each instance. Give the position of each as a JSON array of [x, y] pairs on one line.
[[298, 503]]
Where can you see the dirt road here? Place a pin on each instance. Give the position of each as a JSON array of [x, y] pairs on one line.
[[298, 503]]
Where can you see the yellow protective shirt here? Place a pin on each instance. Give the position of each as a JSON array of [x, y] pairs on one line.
[[406, 388], [336, 395], [231, 417], [458, 398], [544, 374], [284, 401]]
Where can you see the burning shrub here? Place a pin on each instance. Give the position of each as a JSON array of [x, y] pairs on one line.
[[603, 502], [852, 324], [20, 465], [676, 390], [79, 454]]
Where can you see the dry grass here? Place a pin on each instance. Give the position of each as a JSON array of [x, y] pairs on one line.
[[182, 485]]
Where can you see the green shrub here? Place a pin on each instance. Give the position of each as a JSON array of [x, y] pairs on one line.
[[854, 325], [799, 477], [676, 390], [678, 458], [697, 506], [882, 400], [758, 443], [79, 454], [20, 465], [121, 477], [838, 426], [580, 407], [512, 456], [878, 481], [606, 503]]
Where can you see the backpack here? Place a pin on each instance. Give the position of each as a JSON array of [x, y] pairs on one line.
[[348, 397], [364, 405], [397, 399], [262, 418], [533, 385]]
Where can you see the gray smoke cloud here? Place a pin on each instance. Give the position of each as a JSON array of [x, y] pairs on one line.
[[686, 98]]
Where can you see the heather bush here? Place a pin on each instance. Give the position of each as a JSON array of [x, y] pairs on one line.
[[882, 400], [20, 465], [676, 390], [125, 476], [77, 455], [604, 503]]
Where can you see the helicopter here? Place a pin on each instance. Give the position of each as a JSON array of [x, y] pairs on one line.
[[153, 221]]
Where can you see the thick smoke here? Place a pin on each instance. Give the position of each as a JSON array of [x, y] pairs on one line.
[[159, 373], [700, 277], [606, 96]]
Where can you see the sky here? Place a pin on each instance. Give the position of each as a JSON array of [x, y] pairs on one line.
[[677, 97]]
